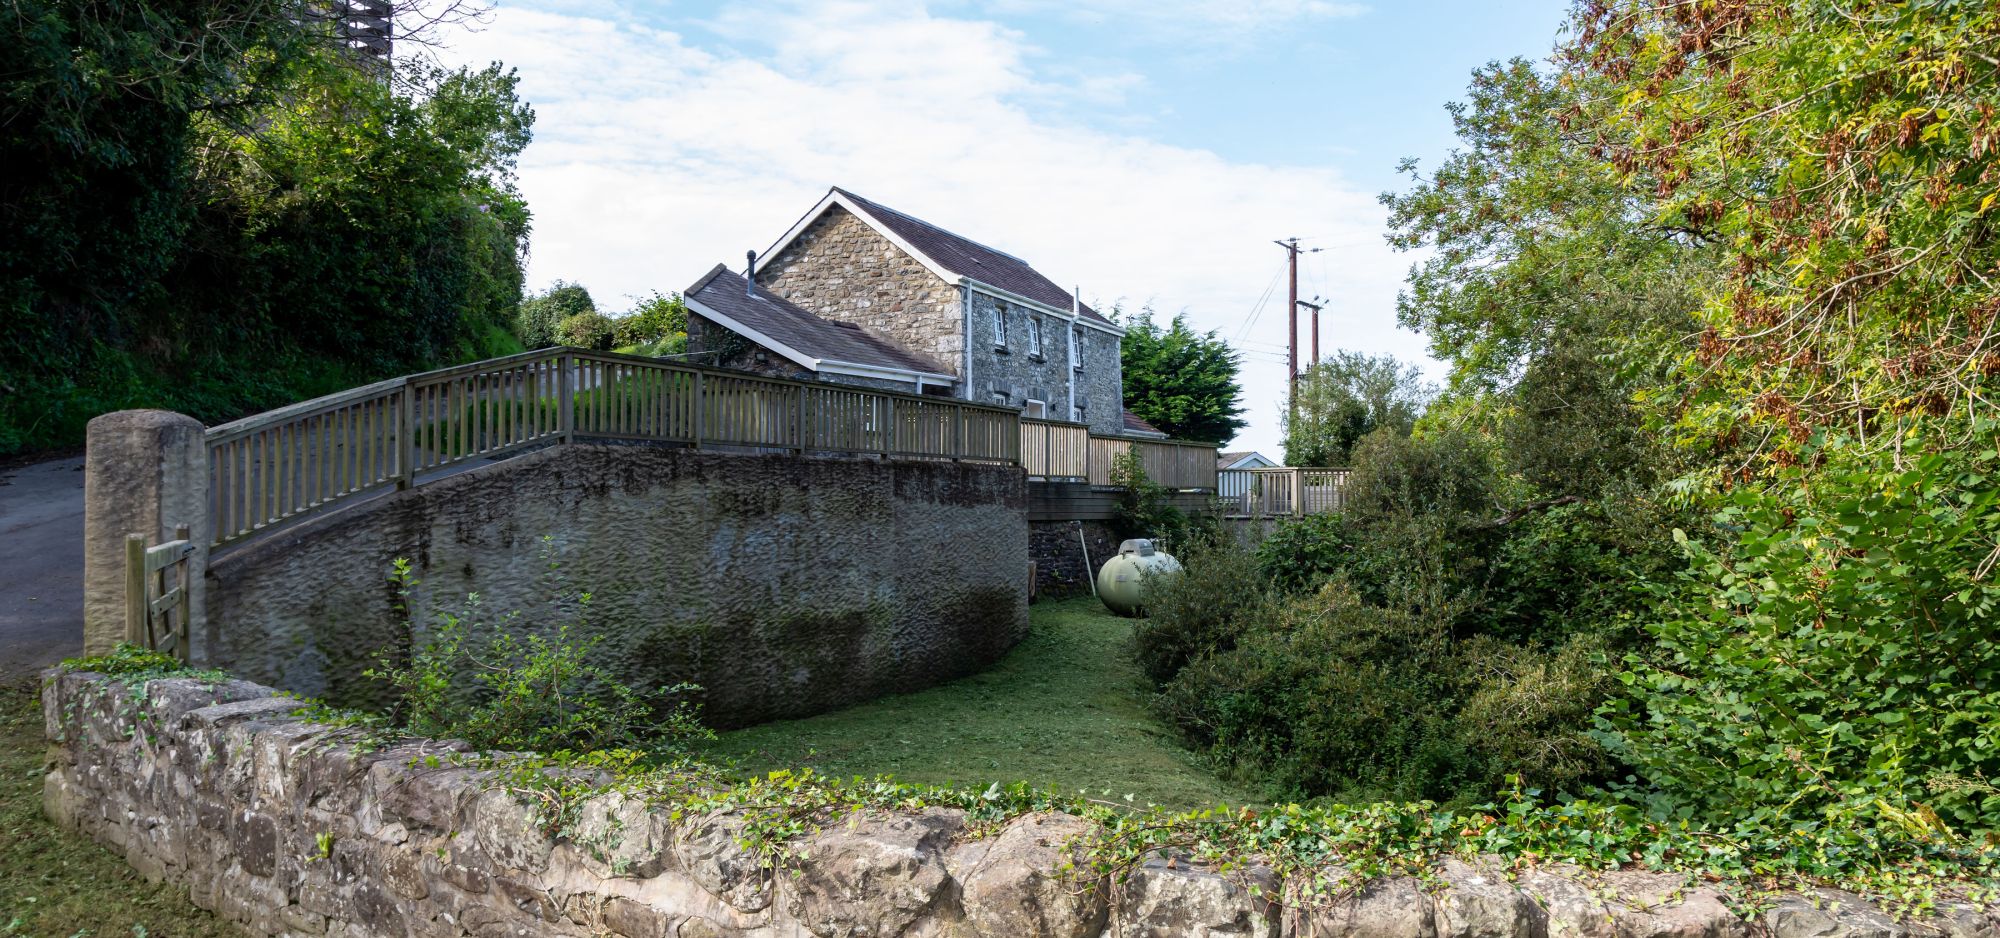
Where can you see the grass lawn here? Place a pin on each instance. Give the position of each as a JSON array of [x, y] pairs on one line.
[[1065, 710], [54, 884]]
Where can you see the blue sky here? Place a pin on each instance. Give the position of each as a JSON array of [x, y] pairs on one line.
[[1147, 151]]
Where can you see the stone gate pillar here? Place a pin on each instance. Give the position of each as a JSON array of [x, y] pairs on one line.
[[145, 472]]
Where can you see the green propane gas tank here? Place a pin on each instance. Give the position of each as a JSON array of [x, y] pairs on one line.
[[1121, 582]]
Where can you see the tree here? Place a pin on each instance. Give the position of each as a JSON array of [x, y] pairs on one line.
[[1345, 397], [1845, 161], [1533, 235], [1180, 380], [208, 206], [542, 315], [656, 326]]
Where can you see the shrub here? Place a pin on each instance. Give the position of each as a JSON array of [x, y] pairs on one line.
[[499, 685], [1143, 510], [1303, 552], [1834, 654], [1198, 611], [1332, 696], [593, 331], [540, 317], [658, 319], [1529, 713]]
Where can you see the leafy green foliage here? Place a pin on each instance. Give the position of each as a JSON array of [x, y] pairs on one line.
[[593, 331], [1345, 397], [656, 326], [541, 316], [1843, 160], [1832, 656], [1180, 380], [242, 221], [1533, 237], [500, 685], [1143, 508]]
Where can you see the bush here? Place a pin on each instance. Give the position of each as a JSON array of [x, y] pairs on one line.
[[1143, 510], [1332, 696], [499, 685], [540, 318], [592, 331], [657, 320], [1198, 611], [1834, 654], [1303, 552]]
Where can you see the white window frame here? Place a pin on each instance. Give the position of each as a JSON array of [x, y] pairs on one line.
[[1000, 325], [1038, 410], [1035, 336], [1076, 348], [1076, 411]]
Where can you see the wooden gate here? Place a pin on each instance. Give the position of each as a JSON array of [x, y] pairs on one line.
[[157, 596]]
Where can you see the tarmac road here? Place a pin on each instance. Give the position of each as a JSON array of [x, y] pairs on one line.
[[41, 565]]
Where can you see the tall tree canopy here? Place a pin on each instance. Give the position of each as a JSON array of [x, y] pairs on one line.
[[1180, 380], [211, 206], [1345, 397]]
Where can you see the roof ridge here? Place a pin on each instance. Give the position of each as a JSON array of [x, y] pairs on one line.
[[871, 203]]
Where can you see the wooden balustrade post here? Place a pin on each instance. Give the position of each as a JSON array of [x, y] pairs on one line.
[[799, 421], [889, 438], [700, 410], [565, 400], [957, 431], [406, 436], [1298, 492]]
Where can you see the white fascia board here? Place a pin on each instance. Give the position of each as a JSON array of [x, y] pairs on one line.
[[835, 197], [753, 335], [1018, 299], [858, 369]]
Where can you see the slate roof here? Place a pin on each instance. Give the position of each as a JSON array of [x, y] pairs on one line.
[[968, 258], [1135, 425], [722, 290]]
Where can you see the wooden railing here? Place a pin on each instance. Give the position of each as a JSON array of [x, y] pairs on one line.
[[1058, 451], [275, 468], [1282, 491], [1055, 450]]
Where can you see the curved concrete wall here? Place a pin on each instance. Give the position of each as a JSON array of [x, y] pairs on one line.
[[784, 586]]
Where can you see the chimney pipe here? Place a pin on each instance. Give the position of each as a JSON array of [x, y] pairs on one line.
[[750, 273]]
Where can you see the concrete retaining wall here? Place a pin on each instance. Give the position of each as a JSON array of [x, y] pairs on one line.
[[784, 586], [279, 826]]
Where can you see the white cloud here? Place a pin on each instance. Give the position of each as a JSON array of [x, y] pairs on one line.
[[1207, 21], [655, 158]]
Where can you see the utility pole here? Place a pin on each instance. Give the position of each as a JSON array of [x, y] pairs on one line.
[[1316, 305], [1291, 246]]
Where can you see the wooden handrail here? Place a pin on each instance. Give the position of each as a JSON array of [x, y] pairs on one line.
[[276, 467]]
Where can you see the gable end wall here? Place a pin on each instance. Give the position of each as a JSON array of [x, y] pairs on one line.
[[842, 269]]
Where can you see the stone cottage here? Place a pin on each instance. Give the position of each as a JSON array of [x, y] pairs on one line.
[[873, 296]]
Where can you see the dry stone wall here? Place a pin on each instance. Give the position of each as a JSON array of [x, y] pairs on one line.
[[278, 825]]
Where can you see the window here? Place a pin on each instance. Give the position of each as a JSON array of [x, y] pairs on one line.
[[1076, 412], [1037, 409], [1035, 336], [999, 325], [1076, 348]]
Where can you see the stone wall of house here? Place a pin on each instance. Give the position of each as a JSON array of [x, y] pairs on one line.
[[841, 269], [783, 586], [285, 828], [1011, 371]]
